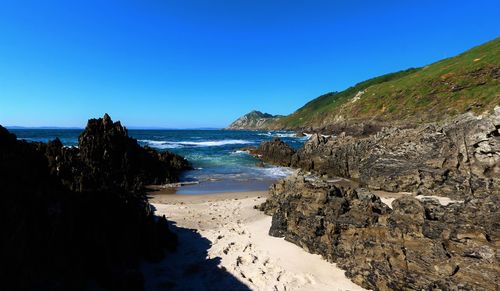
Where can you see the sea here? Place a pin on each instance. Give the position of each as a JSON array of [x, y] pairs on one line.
[[219, 164]]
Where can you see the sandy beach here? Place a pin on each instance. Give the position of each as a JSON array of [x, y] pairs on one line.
[[224, 245]]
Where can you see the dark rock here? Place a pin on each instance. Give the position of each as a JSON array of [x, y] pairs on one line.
[[70, 215], [415, 246], [275, 152], [107, 158]]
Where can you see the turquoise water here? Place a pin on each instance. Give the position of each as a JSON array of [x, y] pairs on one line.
[[219, 166]]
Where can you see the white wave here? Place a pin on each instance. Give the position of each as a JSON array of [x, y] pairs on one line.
[[213, 143], [277, 172], [280, 134], [239, 152], [152, 142], [208, 143], [160, 144]]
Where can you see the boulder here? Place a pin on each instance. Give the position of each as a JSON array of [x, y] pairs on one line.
[[275, 152]]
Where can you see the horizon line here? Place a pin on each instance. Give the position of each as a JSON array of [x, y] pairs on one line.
[[127, 127]]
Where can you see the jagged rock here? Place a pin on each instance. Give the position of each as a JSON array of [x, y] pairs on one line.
[[107, 158], [70, 215], [418, 245], [275, 152], [458, 158]]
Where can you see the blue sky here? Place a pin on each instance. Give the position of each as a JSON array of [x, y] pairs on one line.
[[184, 64]]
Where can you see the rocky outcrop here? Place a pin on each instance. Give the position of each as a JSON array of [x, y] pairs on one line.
[[107, 158], [416, 245], [455, 159], [275, 152], [70, 215], [253, 121]]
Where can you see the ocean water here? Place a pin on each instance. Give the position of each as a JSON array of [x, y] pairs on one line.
[[219, 165]]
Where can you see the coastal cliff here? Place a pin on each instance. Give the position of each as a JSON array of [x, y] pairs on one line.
[[75, 215], [468, 82], [253, 120]]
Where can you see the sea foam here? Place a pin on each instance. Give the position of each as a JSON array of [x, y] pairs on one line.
[[277, 172], [286, 135], [208, 143], [278, 134]]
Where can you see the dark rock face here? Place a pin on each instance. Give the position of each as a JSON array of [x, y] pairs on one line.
[[107, 158], [275, 152], [73, 214], [414, 246], [456, 159]]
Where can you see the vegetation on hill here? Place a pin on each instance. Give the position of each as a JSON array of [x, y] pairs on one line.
[[254, 120], [467, 82]]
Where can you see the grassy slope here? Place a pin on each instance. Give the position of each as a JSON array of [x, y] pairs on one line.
[[469, 81]]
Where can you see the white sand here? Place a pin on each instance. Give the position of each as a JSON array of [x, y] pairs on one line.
[[230, 248], [442, 200], [388, 197]]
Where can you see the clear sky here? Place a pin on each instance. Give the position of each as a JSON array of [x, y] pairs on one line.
[[184, 64]]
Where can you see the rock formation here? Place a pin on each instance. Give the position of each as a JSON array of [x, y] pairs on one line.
[[455, 159], [107, 158], [416, 245], [70, 215], [275, 152]]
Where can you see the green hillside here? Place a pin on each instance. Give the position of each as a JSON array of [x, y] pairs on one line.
[[467, 82]]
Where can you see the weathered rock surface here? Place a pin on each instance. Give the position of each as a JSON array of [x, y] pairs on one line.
[[275, 152], [455, 159], [70, 215], [413, 246]]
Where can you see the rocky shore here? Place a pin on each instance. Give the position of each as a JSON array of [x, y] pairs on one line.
[[76, 217], [415, 243], [458, 158]]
